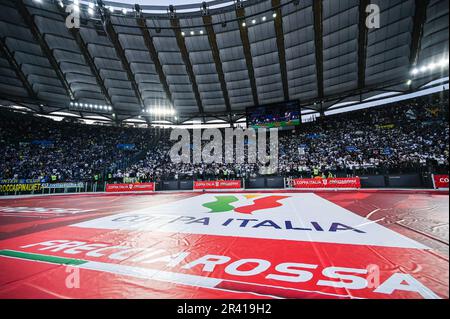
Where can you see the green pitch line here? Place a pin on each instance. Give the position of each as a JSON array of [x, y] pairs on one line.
[[44, 258], [222, 204]]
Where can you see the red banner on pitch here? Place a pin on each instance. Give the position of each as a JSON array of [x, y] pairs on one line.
[[142, 187], [441, 181], [327, 182], [217, 185]]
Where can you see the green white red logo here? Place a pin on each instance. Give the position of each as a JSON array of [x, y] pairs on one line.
[[223, 204]]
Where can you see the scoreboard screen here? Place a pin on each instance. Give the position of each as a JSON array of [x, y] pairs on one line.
[[285, 114]]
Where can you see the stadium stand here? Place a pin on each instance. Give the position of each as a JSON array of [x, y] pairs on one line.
[[401, 138], [389, 139], [41, 148]]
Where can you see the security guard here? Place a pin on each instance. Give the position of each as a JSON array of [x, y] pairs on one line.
[[316, 172]]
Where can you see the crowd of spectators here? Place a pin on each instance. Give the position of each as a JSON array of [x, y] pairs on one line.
[[411, 136], [399, 138], [40, 148]]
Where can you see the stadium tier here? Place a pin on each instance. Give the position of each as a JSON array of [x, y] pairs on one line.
[[394, 139], [225, 149]]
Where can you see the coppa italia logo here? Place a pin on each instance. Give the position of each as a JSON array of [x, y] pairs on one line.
[[223, 204], [282, 216]]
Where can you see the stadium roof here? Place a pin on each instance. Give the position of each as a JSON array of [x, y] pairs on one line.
[[214, 60]]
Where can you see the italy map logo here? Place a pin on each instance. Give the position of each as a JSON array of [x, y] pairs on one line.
[[223, 204]]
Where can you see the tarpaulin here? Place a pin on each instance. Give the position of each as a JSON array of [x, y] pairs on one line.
[[233, 184], [352, 182], [132, 187], [232, 245]]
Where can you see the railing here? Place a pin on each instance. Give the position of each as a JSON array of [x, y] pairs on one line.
[[422, 181]]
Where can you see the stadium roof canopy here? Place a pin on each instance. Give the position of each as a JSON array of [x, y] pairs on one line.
[[214, 60]]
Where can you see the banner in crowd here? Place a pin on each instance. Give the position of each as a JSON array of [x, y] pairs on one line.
[[386, 151], [62, 185], [135, 187], [302, 148], [234, 184], [353, 182], [351, 149], [441, 181], [386, 126], [127, 147], [313, 136], [43, 143]]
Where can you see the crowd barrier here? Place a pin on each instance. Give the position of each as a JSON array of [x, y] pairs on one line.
[[373, 181], [212, 185], [169, 186], [255, 183], [308, 183], [275, 182], [440, 181], [265, 182], [405, 181], [130, 188], [24, 187], [186, 185]]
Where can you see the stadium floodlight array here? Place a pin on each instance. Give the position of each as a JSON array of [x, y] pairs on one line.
[[260, 20], [91, 5], [162, 112], [95, 108], [253, 21], [431, 67], [89, 8], [192, 33]]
